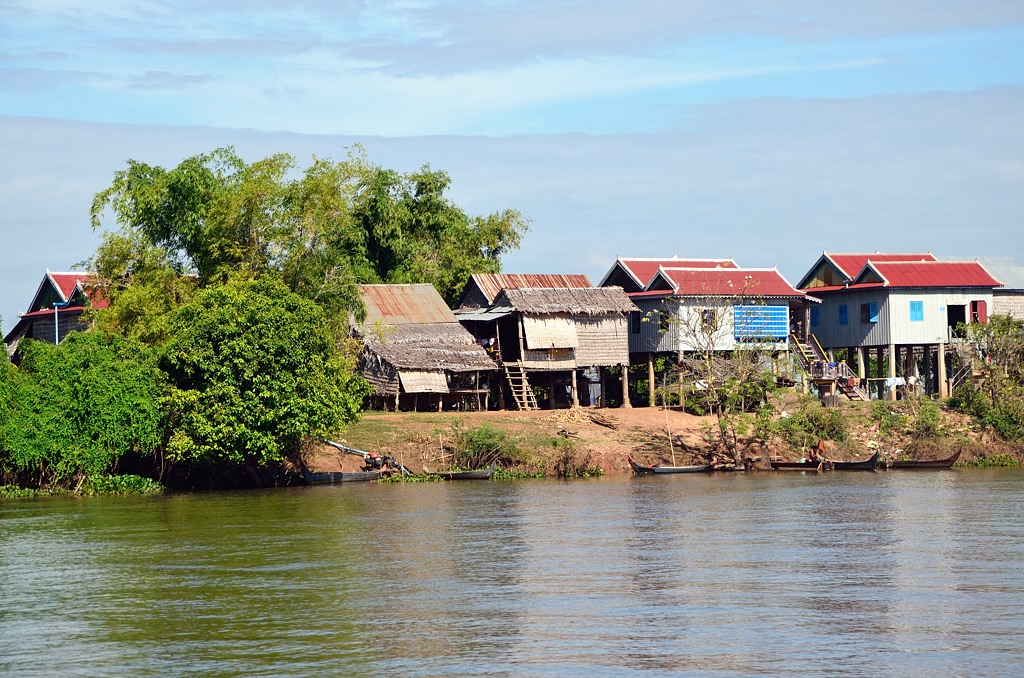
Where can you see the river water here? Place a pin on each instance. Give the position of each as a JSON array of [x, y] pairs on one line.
[[874, 574]]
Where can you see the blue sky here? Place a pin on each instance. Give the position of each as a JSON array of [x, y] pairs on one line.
[[768, 132]]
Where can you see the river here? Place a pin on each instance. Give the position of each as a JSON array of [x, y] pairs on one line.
[[874, 574]]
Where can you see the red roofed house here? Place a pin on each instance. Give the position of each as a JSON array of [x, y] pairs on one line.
[[905, 306], [62, 297], [632, 275]]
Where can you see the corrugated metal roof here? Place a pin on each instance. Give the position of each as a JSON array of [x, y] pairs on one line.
[[404, 305], [1003, 269], [643, 270], [931, 274], [491, 284], [730, 282], [484, 314], [851, 264]]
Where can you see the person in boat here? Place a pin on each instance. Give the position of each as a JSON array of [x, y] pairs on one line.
[[812, 456]]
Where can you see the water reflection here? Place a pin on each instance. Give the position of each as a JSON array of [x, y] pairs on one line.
[[874, 573]]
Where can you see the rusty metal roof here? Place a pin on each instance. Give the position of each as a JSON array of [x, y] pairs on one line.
[[404, 305], [491, 284]]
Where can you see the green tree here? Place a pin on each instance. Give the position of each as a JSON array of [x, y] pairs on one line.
[[75, 409], [998, 401], [253, 371]]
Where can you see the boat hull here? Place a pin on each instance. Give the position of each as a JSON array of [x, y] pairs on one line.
[[653, 470], [909, 464], [330, 477]]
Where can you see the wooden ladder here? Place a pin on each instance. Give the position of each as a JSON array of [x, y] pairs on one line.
[[810, 352], [522, 393]]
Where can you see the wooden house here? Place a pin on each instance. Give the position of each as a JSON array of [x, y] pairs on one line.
[[549, 337], [904, 307], [415, 352], [56, 309]]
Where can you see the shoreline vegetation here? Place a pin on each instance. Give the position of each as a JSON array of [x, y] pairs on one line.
[[216, 351]]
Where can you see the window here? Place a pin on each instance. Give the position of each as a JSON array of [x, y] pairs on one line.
[[917, 311], [815, 316], [844, 314], [709, 319], [869, 312], [634, 323]]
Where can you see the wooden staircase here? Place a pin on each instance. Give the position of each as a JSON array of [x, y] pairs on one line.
[[522, 393], [816, 363]]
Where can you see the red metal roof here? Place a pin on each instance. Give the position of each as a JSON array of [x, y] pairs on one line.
[[929, 274], [852, 264], [404, 305], [491, 284], [753, 282], [645, 269]]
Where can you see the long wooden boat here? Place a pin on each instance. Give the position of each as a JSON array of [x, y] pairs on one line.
[[477, 474], [806, 465], [644, 470], [922, 463], [328, 477], [866, 465]]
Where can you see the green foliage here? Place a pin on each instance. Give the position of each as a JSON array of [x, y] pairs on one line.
[[337, 225], [998, 402], [480, 446], [928, 423], [571, 463], [253, 370], [889, 419], [812, 423], [120, 484], [77, 408], [996, 460]]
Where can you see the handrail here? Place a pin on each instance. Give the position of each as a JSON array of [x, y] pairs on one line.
[[817, 345]]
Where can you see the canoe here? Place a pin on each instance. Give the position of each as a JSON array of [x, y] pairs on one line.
[[328, 477], [478, 474], [866, 465], [922, 463], [815, 465], [644, 470]]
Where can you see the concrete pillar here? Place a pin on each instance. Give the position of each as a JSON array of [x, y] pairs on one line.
[[943, 386], [575, 392], [625, 387], [861, 362], [650, 380]]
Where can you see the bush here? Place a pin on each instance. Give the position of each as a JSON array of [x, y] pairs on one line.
[[481, 446], [123, 484]]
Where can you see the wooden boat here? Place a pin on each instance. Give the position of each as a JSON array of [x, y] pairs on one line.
[[644, 470], [921, 463], [328, 477], [806, 465], [478, 474], [866, 465]]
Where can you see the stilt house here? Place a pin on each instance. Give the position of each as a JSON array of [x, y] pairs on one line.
[[549, 333], [906, 308], [416, 354], [56, 309]]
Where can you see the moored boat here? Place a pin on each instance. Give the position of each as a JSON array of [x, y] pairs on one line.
[[329, 477], [803, 465], [657, 468], [921, 463], [866, 465], [477, 474]]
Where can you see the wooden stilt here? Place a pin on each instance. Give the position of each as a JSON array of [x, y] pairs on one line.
[[625, 387], [650, 379]]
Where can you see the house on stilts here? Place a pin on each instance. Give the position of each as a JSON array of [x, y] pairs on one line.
[[56, 309], [900, 313], [417, 355], [551, 335]]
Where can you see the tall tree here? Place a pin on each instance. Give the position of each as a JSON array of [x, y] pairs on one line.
[[253, 370]]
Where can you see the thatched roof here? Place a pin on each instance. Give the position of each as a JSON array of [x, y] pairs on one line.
[[430, 347], [574, 301]]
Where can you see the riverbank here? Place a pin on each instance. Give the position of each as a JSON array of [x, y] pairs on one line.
[[602, 438]]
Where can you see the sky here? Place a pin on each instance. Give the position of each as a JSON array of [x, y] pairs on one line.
[[766, 132]]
